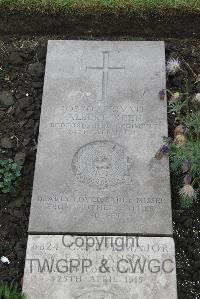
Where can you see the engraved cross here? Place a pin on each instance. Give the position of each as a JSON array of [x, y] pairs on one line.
[[105, 69]]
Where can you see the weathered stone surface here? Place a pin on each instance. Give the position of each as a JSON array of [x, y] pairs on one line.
[[102, 122], [85, 267]]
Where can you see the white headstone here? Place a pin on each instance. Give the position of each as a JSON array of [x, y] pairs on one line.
[[102, 122]]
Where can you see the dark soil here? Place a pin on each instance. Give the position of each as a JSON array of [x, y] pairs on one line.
[[166, 24], [22, 61]]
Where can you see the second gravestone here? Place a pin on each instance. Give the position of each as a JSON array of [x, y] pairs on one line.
[[101, 124], [100, 267]]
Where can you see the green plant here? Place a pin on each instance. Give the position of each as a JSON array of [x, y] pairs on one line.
[[189, 152], [9, 175], [65, 6], [177, 107], [186, 202], [192, 123], [184, 150], [9, 292]]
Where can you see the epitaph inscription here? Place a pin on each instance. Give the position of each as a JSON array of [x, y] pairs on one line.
[[101, 124], [97, 267]]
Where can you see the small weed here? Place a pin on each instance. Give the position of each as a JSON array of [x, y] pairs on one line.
[[9, 292], [9, 175]]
